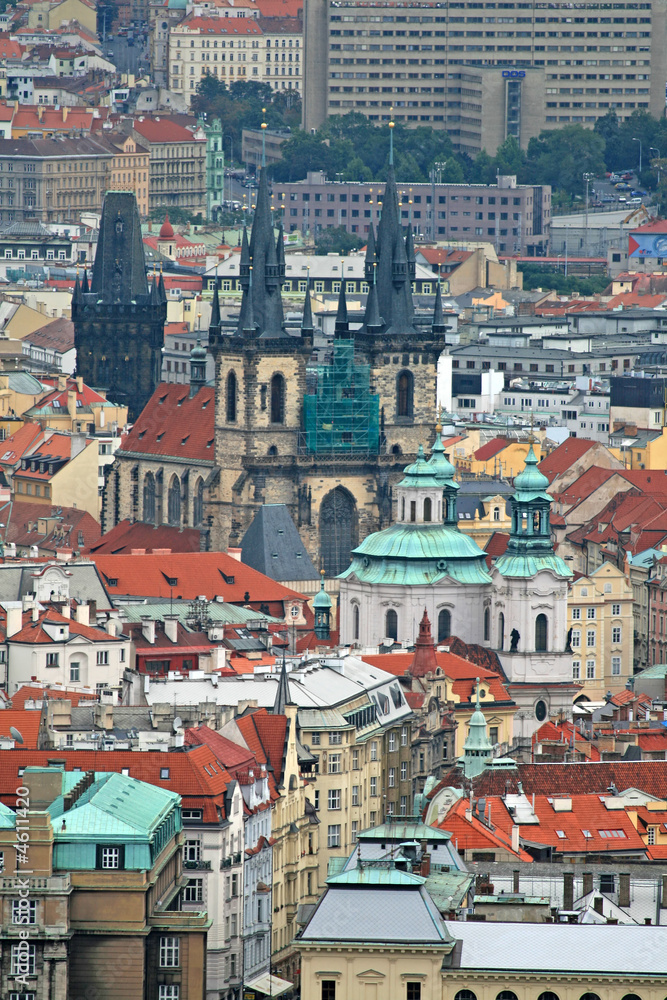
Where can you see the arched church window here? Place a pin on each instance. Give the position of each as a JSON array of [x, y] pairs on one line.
[[355, 622], [501, 631], [536, 522], [496, 513], [338, 530], [487, 622], [391, 624], [174, 501], [413, 510], [149, 498], [444, 625], [541, 634], [404, 394], [198, 506], [427, 509], [465, 995], [403, 509], [277, 399], [231, 398]]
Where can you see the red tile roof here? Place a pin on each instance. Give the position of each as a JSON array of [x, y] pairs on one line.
[[159, 130], [232, 755], [173, 424], [29, 692], [33, 632], [64, 525], [491, 449], [27, 722], [56, 448], [586, 484], [128, 537], [564, 456], [194, 573], [563, 733], [18, 443], [266, 736], [223, 25], [473, 835], [461, 672], [577, 778]]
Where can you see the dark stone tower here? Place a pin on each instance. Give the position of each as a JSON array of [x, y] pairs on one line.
[[119, 321]]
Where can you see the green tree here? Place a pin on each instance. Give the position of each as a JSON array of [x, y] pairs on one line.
[[302, 152], [562, 156], [510, 158], [336, 240]]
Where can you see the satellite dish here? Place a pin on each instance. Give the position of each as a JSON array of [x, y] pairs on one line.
[[177, 723], [15, 734]]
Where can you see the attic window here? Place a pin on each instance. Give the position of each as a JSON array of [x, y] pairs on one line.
[[164, 773], [587, 834], [125, 771], [142, 434], [185, 439], [162, 398], [561, 834], [205, 403], [227, 579], [112, 581], [172, 581], [209, 444], [160, 436]]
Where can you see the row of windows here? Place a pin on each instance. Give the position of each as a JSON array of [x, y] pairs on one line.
[[591, 637], [592, 612], [590, 669]]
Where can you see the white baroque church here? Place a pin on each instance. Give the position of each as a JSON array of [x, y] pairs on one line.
[[422, 561]]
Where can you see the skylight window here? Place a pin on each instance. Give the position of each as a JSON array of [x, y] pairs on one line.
[[587, 834], [561, 834]]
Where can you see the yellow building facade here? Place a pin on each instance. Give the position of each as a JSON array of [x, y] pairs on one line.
[[601, 624]]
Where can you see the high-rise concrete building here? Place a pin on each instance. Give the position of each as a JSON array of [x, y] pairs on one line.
[[482, 71]]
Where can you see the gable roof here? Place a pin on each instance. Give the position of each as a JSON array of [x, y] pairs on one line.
[[26, 720], [491, 449], [273, 546], [213, 574], [564, 456], [127, 537], [266, 736], [174, 424], [163, 130]]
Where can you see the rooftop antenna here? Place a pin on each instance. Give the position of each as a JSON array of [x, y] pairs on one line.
[[391, 136]]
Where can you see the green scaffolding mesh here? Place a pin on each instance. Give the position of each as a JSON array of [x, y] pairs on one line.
[[342, 414]]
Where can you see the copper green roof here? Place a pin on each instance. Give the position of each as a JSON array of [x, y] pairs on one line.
[[444, 469], [531, 483], [371, 874], [414, 554], [530, 563]]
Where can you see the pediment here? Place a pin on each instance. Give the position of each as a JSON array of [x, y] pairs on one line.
[[371, 975]]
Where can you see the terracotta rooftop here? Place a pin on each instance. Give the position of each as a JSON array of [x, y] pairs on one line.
[[174, 424], [129, 537], [564, 456], [491, 449]]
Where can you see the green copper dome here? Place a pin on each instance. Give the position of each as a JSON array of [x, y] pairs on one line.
[[444, 470], [420, 474], [530, 481], [322, 599]]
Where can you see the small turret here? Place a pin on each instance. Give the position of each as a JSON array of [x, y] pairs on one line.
[[85, 288], [438, 326], [280, 253], [399, 265], [342, 326], [372, 319], [477, 748], [307, 327], [244, 263], [197, 368], [369, 261], [322, 609], [410, 254]]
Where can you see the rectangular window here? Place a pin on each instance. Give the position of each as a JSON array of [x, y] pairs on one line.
[[413, 991], [616, 635], [404, 771], [576, 670], [192, 850], [102, 657], [170, 952], [404, 736], [315, 739], [590, 670], [374, 786], [616, 610], [23, 960], [317, 799], [650, 835], [392, 777], [590, 612], [615, 666], [110, 857], [328, 989], [235, 885], [374, 750], [576, 638], [335, 738], [576, 614], [355, 760], [334, 798], [355, 795], [392, 742], [404, 805], [590, 638], [354, 830], [74, 671], [334, 763], [333, 835], [168, 992], [52, 659], [24, 911], [194, 891]]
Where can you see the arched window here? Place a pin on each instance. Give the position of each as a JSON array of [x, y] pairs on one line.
[[174, 501], [444, 625], [541, 634], [404, 394], [355, 622], [231, 398], [465, 995], [487, 624], [496, 513], [589, 996], [501, 631], [631, 996], [277, 399], [338, 530], [391, 624], [427, 509], [507, 995], [198, 506], [413, 510], [548, 995], [149, 498]]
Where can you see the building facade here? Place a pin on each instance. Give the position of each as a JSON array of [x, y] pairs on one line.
[[482, 75], [601, 624]]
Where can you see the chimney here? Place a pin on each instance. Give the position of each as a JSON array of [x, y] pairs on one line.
[[234, 553], [15, 619], [78, 443], [588, 883], [79, 383], [65, 112], [171, 627], [62, 383], [35, 613], [425, 870], [103, 716], [663, 895], [515, 839], [148, 628], [92, 611], [82, 614], [71, 403], [45, 785], [66, 610], [568, 891], [515, 880], [624, 890], [597, 905]]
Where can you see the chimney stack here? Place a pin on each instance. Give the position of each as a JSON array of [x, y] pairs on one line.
[[171, 627], [148, 629], [82, 614], [597, 905], [515, 880], [588, 883], [14, 611], [624, 890], [568, 891]]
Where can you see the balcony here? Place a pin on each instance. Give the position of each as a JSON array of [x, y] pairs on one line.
[[180, 920], [197, 866]]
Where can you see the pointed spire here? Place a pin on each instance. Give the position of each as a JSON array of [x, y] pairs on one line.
[[161, 288], [307, 321], [155, 297], [215, 307], [283, 696], [399, 266], [438, 325], [76, 294], [249, 328], [280, 252], [369, 261], [244, 263], [322, 609], [410, 253], [342, 324], [372, 318], [391, 136], [85, 288], [424, 661]]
